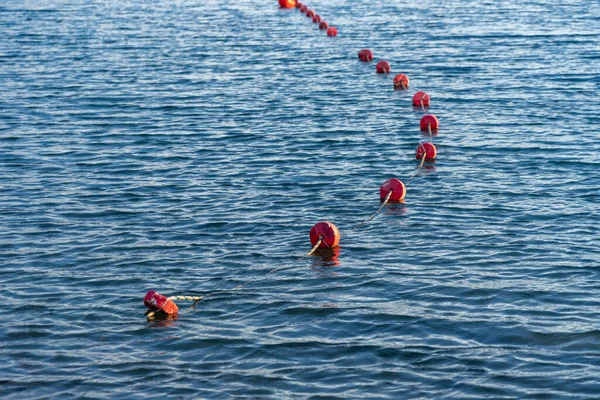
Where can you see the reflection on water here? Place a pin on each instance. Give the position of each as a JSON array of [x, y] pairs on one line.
[[323, 258], [162, 320]]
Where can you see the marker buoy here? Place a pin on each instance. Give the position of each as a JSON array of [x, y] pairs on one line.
[[429, 123], [327, 232], [383, 67], [332, 31], [287, 3], [310, 13], [157, 302], [365, 55], [421, 99], [299, 5], [400, 82], [427, 150], [303, 9], [323, 25], [396, 187], [316, 18]]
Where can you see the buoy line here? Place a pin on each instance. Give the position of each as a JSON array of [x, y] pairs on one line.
[[326, 234]]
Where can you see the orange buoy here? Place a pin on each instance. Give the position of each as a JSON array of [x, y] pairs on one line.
[[400, 82], [365, 55], [427, 150], [396, 187], [429, 123], [316, 18], [328, 231], [323, 25], [421, 99], [157, 302], [332, 31], [383, 67], [303, 9], [287, 3], [310, 13]]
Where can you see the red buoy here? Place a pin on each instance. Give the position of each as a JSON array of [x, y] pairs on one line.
[[383, 67], [316, 18], [421, 99], [329, 232], [299, 5], [365, 55], [310, 13], [429, 123], [396, 187], [400, 82], [303, 9], [426, 149], [287, 3], [332, 31], [157, 302], [323, 25]]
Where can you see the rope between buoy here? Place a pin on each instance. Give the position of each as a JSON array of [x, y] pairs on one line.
[[190, 298], [429, 128], [315, 247], [387, 198]]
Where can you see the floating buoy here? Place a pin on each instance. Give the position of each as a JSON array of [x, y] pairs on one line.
[[327, 232], [396, 187], [299, 5], [421, 99], [365, 55], [332, 31], [426, 150], [303, 9], [310, 13], [316, 18], [383, 67], [157, 302], [287, 3], [400, 82], [323, 25], [429, 123]]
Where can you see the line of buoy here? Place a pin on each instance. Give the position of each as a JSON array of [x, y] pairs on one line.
[[392, 190], [325, 235]]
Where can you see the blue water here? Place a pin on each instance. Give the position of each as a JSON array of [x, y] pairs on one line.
[[189, 146]]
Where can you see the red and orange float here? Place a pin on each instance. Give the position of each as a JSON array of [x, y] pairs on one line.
[[426, 150], [327, 233], [382, 67], [365, 55], [395, 186]]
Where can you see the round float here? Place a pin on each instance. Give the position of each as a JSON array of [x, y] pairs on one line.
[[329, 232], [383, 67], [323, 25], [431, 121], [395, 186], [316, 18], [310, 13], [400, 82], [287, 3], [157, 302], [365, 55], [421, 99], [332, 31], [426, 149]]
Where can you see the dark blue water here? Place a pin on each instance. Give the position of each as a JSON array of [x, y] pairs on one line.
[[189, 146]]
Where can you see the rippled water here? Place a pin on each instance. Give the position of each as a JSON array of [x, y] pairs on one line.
[[189, 146]]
